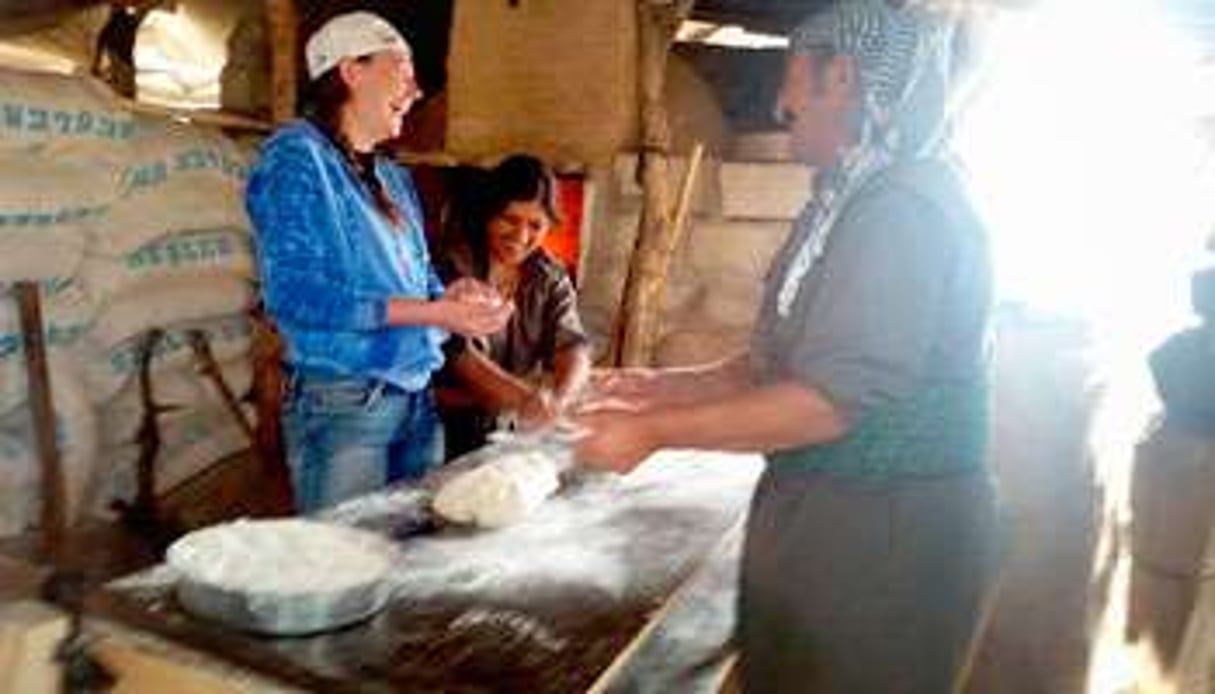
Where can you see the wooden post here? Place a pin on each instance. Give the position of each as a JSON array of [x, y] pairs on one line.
[[54, 512], [268, 374], [641, 305], [283, 23]]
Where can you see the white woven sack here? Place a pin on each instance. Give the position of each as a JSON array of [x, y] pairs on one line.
[[18, 486], [76, 433], [190, 443], [181, 178], [181, 388], [196, 254], [60, 111], [67, 318], [40, 257], [175, 300], [107, 371], [45, 207]]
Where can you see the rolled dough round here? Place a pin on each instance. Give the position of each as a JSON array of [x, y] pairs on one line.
[[281, 556]]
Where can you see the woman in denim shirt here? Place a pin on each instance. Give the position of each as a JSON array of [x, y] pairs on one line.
[[346, 275]]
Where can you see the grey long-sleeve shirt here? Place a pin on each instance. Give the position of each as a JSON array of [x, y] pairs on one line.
[[899, 299]]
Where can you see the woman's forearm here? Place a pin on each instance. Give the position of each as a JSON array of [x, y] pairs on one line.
[[707, 381], [464, 317], [406, 311], [494, 388]]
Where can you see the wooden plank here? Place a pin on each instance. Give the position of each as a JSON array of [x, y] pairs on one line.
[[54, 495], [142, 662], [140, 672], [30, 632]]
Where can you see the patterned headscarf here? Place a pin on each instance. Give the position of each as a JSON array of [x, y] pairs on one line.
[[903, 62]]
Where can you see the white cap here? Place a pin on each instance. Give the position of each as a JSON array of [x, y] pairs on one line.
[[350, 35]]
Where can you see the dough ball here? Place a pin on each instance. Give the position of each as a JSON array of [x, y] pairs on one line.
[[500, 492]]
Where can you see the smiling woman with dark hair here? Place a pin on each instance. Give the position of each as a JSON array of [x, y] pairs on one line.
[[541, 360]]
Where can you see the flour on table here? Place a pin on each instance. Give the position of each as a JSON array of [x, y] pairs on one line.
[[281, 556], [499, 493]]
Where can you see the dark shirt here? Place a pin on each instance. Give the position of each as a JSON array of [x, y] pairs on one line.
[[544, 323], [545, 320]]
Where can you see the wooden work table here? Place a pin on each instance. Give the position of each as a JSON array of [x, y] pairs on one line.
[[615, 584]]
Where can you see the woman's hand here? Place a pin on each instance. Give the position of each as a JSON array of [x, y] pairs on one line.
[[468, 310], [538, 409], [472, 290], [639, 387], [612, 438], [473, 317]]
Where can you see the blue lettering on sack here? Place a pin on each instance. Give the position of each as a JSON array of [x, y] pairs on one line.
[[14, 116], [145, 175], [84, 122], [186, 160], [10, 344], [38, 119], [63, 121]]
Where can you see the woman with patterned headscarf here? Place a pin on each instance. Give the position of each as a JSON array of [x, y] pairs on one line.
[[871, 540]]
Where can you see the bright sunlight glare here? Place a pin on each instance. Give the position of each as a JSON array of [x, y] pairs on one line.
[[1086, 152]]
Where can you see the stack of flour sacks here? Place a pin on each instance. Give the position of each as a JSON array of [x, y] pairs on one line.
[[128, 225]]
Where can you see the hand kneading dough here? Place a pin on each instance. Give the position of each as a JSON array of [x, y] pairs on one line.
[[500, 492]]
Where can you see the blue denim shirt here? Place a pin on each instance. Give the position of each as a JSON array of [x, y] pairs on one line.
[[330, 260]]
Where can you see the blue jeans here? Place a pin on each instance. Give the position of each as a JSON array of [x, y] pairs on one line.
[[350, 436]]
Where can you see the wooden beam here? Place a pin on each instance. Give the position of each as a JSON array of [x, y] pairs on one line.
[[283, 22], [633, 343], [42, 412]]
